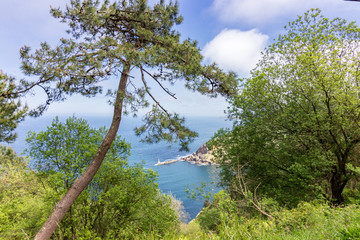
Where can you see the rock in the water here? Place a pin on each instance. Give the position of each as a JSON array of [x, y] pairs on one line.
[[202, 156]]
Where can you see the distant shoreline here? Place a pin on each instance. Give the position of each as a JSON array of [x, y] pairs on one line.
[[202, 157]]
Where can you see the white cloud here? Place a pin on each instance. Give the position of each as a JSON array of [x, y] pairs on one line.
[[236, 50], [263, 11]]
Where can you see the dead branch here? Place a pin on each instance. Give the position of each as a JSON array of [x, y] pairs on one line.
[[242, 188]]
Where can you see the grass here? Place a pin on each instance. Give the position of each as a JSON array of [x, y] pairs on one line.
[[307, 221]]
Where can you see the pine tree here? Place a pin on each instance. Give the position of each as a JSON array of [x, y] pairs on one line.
[[113, 40], [11, 110]]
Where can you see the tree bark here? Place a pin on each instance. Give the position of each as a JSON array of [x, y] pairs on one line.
[[83, 181], [338, 182]]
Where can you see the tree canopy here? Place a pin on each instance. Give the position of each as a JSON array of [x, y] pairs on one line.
[[11, 110], [296, 128]]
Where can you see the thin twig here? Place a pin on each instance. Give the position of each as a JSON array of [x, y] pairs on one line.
[[27, 236], [244, 191], [165, 89], [148, 92]]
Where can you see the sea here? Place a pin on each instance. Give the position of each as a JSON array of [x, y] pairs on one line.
[[173, 178]]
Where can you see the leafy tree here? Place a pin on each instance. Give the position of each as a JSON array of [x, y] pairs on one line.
[[11, 111], [67, 148], [296, 128], [119, 203], [113, 40]]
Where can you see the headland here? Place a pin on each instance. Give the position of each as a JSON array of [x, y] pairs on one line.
[[202, 156]]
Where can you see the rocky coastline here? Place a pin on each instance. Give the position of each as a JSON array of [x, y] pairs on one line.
[[202, 156]]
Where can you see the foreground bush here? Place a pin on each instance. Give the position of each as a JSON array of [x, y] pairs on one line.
[[306, 221], [23, 204]]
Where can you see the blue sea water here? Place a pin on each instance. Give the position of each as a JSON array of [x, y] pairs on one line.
[[173, 178]]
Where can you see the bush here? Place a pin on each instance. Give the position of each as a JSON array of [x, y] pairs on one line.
[[210, 219], [217, 212], [23, 204], [307, 221]]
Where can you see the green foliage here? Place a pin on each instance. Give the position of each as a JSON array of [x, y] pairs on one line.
[[210, 219], [160, 125], [121, 201], [65, 149], [352, 232], [11, 110], [23, 203], [296, 118], [307, 221], [221, 209]]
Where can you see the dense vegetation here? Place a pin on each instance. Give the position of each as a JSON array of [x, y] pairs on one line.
[[290, 165], [122, 200]]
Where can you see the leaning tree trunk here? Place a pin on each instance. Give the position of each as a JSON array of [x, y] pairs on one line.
[[83, 181]]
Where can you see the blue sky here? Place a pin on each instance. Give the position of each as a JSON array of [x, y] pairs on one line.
[[231, 32]]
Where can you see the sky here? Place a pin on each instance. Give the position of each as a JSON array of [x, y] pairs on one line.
[[232, 33]]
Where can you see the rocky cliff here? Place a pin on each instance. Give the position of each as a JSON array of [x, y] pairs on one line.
[[202, 156]]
